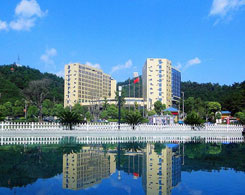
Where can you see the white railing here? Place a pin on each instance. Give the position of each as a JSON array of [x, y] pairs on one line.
[[102, 127], [100, 139]]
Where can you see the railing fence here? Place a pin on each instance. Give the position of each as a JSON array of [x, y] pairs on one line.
[[102, 127]]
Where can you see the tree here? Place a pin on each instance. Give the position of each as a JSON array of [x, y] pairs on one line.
[[241, 116], [136, 105], [105, 104], [195, 104], [158, 147], [158, 107], [36, 92], [218, 115], [8, 109], [58, 108], [104, 114], [69, 119], [32, 112], [212, 108], [88, 116], [151, 112], [3, 110], [47, 106], [193, 118], [80, 110], [18, 111], [167, 113], [1, 116], [133, 118], [112, 112]]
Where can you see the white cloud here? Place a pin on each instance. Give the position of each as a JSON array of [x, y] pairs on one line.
[[93, 65], [3, 25], [22, 24], [224, 8], [26, 14], [127, 65], [192, 62], [48, 55], [188, 64], [27, 9]]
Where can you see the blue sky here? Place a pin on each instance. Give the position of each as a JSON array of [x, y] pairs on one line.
[[205, 39]]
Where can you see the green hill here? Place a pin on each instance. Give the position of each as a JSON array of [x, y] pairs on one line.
[[13, 79], [231, 97]]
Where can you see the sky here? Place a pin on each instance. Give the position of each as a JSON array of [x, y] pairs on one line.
[[204, 39]]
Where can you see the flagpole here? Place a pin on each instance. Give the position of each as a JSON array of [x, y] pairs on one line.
[[129, 94], [134, 96], [129, 87]]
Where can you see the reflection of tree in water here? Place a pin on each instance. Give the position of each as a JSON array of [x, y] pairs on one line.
[[158, 147], [23, 165], [212, 156], [20, 166]]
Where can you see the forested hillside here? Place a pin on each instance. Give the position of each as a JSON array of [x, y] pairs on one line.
[[14, 79], [231, 97]]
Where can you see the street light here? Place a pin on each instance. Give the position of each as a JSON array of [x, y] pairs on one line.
[[119, 105], [183, 104]]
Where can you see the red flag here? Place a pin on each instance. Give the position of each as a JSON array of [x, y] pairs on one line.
[[136, 80], [136, 174]]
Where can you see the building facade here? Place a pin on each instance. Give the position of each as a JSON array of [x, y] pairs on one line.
[[176, 82], [157, 82], [85, 83]]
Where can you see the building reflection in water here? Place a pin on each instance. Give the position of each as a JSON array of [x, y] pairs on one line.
[[160, 169], [87, 167]]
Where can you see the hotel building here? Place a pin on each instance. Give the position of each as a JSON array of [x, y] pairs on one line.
[[84, 84], [157, 82]]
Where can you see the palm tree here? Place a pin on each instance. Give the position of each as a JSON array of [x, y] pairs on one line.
[[133, 119], [69, 118]]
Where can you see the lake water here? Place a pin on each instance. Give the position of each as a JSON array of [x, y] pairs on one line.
[[123, 168]]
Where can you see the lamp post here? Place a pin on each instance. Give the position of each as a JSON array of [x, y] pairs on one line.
[[119, 105], [183, 104]]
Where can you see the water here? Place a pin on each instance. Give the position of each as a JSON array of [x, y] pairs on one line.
[[131, 167]]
